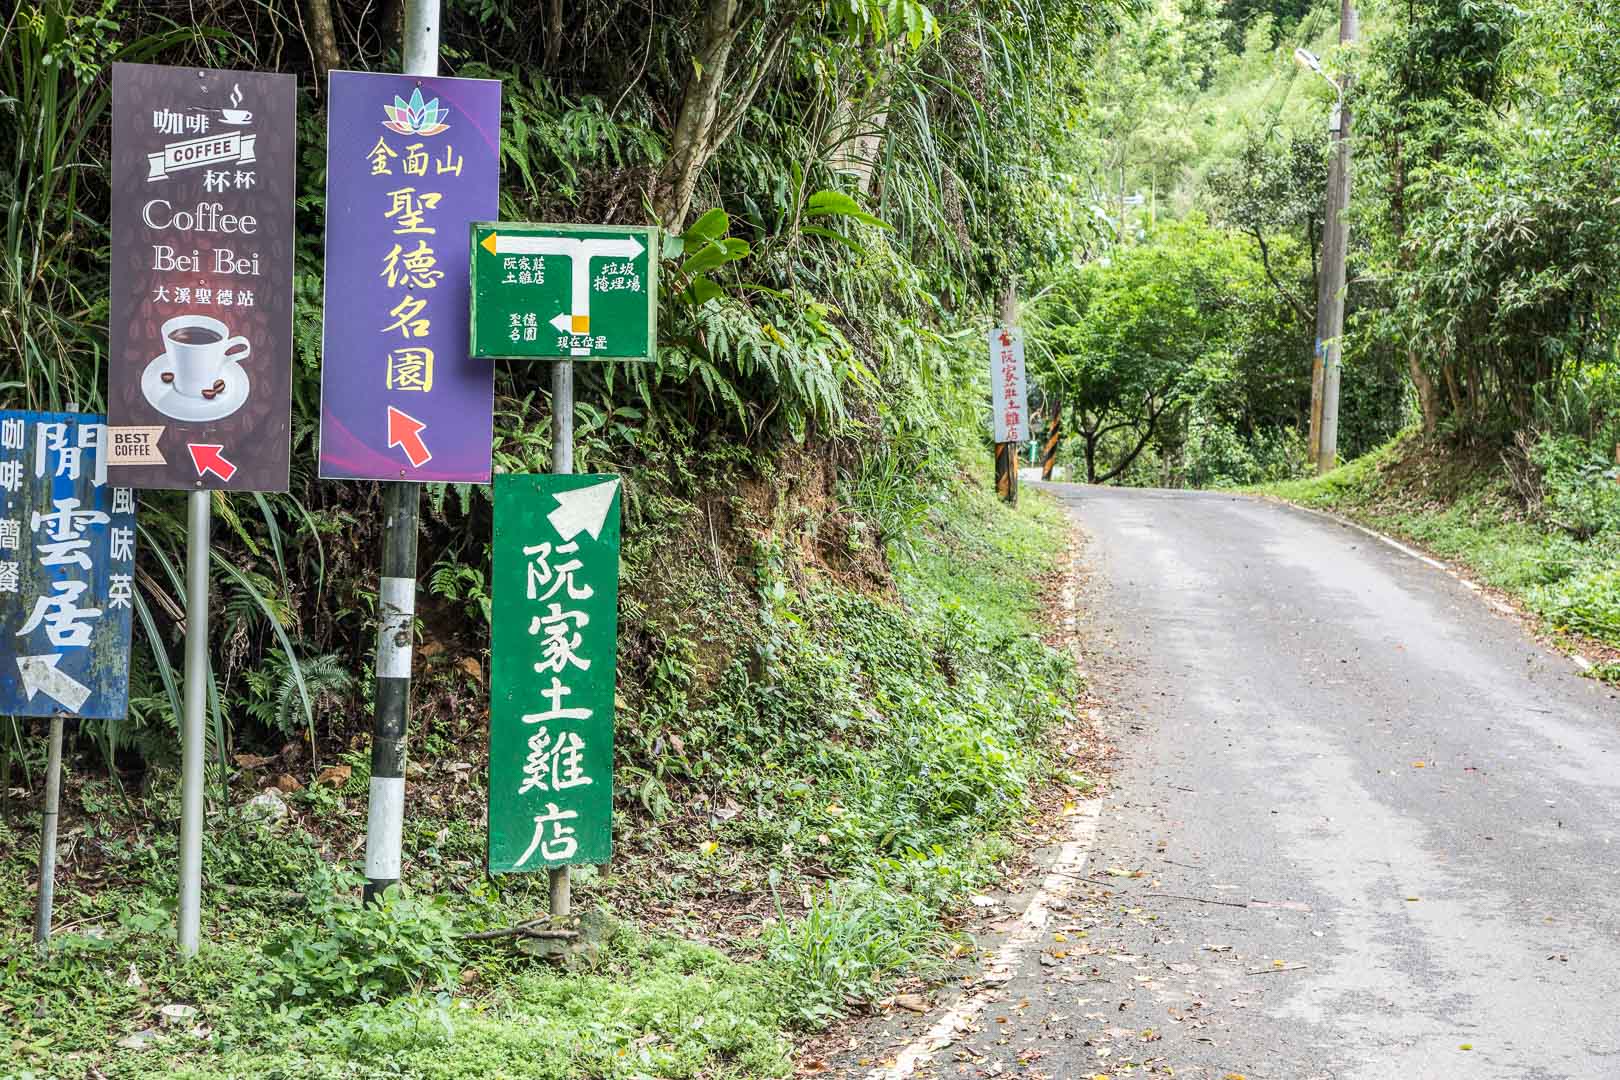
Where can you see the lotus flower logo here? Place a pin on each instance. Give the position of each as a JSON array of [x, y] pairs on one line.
[[415, 117]]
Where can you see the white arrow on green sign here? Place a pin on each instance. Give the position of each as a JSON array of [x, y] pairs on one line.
[[553, 644]]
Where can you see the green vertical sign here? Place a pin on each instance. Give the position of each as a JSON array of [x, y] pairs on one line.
[[569, 292], [554, 646]]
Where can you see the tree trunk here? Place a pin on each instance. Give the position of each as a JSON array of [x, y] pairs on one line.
[[1427, 405], [1119, 469], [859, 144], [554, 36], [692, 143], [322, 39]]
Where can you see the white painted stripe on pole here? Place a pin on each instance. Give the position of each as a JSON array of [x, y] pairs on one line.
[[396, 616], [385, 825], [398, 594]]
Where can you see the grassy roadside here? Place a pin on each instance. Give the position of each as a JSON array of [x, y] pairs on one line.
[[1548, 538], [859, 772]]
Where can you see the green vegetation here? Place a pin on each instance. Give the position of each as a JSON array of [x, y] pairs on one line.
[[1483, 275], [1482, 267], [846, 187], [832, 690], [832, 694], [839, 790], [1179, 349], [1147, 350]]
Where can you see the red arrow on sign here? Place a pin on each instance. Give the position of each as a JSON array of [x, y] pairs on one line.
[[405, 432], [209, 458]]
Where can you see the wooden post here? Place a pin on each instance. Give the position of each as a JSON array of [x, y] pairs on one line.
[[1054, 436]]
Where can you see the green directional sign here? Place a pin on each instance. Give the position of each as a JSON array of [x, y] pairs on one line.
[[554, 644], [568, 292]]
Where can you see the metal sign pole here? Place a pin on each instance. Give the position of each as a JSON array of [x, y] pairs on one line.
[[47, 839], [396, 591], [396, 626], [200, 509], [562, 462]]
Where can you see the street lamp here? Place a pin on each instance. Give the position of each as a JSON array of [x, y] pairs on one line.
[[1309, 60], [1306, 58]]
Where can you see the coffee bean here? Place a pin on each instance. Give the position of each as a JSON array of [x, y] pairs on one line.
[[219, 386], [210, 394], [167, 376]]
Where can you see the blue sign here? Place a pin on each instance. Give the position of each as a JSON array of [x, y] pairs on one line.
[[67, 569]]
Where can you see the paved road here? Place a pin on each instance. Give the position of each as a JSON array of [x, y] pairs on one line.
[[1277, 890]]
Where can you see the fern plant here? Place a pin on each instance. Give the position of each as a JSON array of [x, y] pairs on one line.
[[465, 584], [275, 697]]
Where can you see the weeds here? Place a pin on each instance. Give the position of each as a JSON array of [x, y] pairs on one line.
[[851, 942], [406, 944], [869, 754]]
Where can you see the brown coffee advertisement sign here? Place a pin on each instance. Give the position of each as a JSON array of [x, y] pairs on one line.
[[201, 277]]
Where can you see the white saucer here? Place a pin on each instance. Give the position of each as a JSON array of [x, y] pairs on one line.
[[170, 402]]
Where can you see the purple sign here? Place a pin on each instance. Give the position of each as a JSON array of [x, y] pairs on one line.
[[410, 162]]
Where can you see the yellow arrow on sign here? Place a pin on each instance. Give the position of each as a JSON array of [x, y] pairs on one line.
[[489, 243]]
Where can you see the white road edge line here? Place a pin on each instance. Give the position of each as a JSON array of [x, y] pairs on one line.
[[1070, 861], [1506, 609]]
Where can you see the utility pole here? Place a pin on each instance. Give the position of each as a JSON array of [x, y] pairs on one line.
[[1328, 351], [396, 589]]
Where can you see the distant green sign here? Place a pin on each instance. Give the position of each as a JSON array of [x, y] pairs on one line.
[[581, 292], [554, 645]]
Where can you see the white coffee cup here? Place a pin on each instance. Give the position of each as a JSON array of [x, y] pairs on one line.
[[236, 116], [198, 348]]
